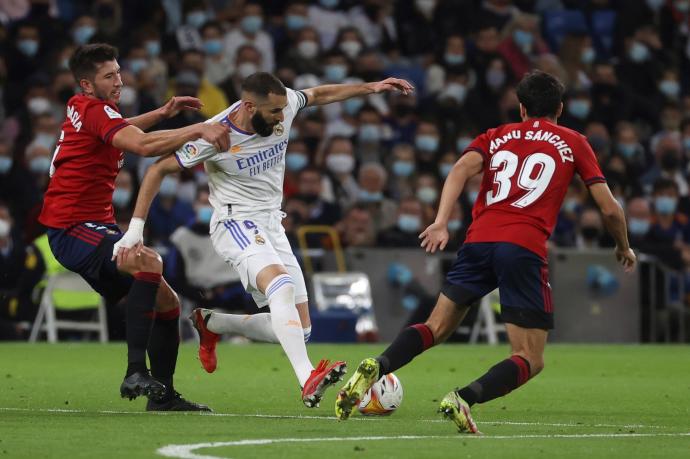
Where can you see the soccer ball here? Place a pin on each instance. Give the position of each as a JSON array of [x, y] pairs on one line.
[[383, 397]]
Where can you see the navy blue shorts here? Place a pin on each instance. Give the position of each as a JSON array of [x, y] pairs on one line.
[[521, 276], [87, 249]]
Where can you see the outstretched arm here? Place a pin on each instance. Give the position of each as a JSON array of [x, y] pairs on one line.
[[614, 220], [170, 109], [329, 93], [436, 234], [157, 143], [134, 237]]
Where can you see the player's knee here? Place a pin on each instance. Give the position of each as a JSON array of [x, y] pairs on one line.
[[281, 290], [440, 329], [149, 261]]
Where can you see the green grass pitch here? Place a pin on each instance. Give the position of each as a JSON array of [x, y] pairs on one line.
[[591, 401]]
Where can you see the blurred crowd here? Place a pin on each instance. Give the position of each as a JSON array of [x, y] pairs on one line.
[[372, 167]]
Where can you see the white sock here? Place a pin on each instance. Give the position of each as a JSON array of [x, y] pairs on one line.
[[287, 326], [256, 327]]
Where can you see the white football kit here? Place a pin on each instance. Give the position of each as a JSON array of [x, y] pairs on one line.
[[246, 192]]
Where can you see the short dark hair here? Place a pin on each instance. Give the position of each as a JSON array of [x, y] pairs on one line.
[[86, 58], [263, 84], [541, 94]]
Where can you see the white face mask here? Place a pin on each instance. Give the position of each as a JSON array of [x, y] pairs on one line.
[[308, 49], [38, 105], [4, 228], [340, 163], [246, 68], [351, 48], [128, 96]]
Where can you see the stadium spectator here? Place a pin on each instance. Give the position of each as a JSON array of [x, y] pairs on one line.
[[250, 31], [124, 190], [309, 190], [639, 215], [168, 211], [303, 55], [426, 189], [667, 154], [328, 19], [402, 169], [218, 66], [372, 178], [356, 229], [339, 183], [522, 43], [211, 96], [590, 230], [409, 223]]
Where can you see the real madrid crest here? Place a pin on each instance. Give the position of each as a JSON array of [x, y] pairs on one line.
[[259, 240], [278, 129]]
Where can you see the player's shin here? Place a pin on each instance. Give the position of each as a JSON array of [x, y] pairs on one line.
[[139, 306], [163, 346], [501, 379], [256, 327], [411, 342]]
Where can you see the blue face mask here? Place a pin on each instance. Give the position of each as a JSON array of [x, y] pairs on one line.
[[444, 169], [335, 73], [196, 18], [462, 143], [427, 195], [669, 88], [252, 24], [28, 47], [638, 52], [295, 22], [329, 3], [472, 196], [368, 196], [686, 143], [523, 38], [369, 133], [213, 47], [136, 65], [570, 205], [426, 142], [296, 161], [579, 108], [665, 205], [403, 168], [628, 150], [454, 225], [409, 223], [353, 105], [588, 55], [153, 48], [168, 187], [638, 226], [83, 34], [39, 165], [121, 197], [204, 214], [5, 164], [454, 59]]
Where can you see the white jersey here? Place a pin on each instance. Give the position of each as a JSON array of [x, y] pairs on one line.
[[248, 177]]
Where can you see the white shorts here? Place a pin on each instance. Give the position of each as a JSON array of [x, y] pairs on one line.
[[251, 241]]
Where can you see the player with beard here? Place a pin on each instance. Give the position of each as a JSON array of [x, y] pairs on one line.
[[78, 212], [246, 185]]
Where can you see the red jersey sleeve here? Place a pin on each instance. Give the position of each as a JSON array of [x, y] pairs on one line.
[[481, 145], [586, 164], [103, 120]]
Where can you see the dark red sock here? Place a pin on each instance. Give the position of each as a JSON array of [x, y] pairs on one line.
[[502, 378], [411, 342], [140, 300]]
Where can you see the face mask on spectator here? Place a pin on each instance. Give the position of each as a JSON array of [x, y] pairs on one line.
[[590, 233], [455, 91], [353, 105], [444, 169], [523, 40], [294, 133], [628, 150], [426, 7], [462, 143], [137, 64], [295, 22], [454, 59], [308, 49], [213, 47], [5, 164], [588, 55], [204, 214], [426, 142], [83, 34], [4, 228], [409, 223], [570, 205], [296, 161], [472, 196], [246, 68], [196, 18], [669, 88], [638, 226], [153, 48], [121, 197], [403, 168], [340, 163], [369, 133], [370, 196], [495, 78], [39, 165], [252, 24], [335, 73], [665, 205], [427, 195], [128, 96], [638, 52], [168, 187], [329, 3], [350, 48], [579, 108], [28, 47], [45, 140], [38, 105], [454, 225]]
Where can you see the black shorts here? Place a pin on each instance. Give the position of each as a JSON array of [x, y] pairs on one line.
[[521, 276], [87, 249]]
